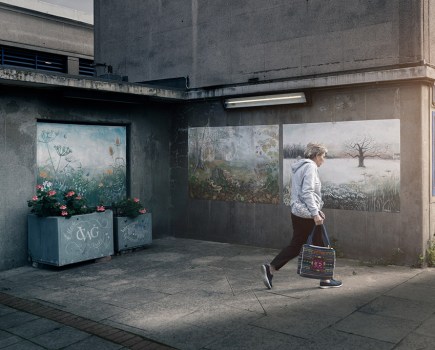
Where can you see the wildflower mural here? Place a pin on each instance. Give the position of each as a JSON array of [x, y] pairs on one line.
[[88, 158], [237, 163], [362, 171]]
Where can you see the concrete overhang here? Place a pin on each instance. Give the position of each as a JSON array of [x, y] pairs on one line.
[[417, 73], [31, 78]]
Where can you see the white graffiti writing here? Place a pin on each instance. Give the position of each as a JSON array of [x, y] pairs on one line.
[[83, 234]]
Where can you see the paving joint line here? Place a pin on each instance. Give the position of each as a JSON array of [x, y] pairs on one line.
[[128, 339]]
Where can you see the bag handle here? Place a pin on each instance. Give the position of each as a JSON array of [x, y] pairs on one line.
[[324, 235]]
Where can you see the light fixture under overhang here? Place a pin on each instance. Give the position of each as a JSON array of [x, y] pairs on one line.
[[268, 100]]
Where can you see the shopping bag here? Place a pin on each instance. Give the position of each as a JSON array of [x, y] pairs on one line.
[[315, 261]]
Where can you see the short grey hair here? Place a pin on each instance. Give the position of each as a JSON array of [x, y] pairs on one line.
[[314, 149]]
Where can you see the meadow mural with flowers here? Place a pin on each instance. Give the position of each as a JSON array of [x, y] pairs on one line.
[[88, 158], [234, 163]]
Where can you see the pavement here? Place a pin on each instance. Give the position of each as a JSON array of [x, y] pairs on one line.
[[191, 294]]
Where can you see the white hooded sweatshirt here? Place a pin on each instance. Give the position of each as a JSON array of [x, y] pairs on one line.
[[306, 185]]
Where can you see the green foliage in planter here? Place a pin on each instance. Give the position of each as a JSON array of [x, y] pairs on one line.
[[128, 207], [48, 202]]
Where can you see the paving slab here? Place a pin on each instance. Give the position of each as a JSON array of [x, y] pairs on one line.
[[397, 307], [388, 329], [59, 337], [416, 342]]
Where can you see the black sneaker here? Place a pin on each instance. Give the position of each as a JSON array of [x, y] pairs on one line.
[[330, 284], [267, 276]]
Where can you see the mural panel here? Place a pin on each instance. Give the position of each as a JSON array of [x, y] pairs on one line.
[[90, 159], [362, 169], [236, 163]]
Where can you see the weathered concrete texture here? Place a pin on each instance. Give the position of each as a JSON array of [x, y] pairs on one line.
[[379, 236], [19, 112], [42, 32], [223, 42], [34, 78]]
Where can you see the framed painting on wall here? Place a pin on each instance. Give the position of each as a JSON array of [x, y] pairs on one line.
[[91, 159], [234, 163], [362, 169]]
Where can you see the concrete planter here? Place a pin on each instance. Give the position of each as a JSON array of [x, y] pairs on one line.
[[59, 241], [131, 233]]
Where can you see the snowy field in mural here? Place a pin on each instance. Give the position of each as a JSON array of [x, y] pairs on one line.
[[90, 159], [362, 169], [236, 163]]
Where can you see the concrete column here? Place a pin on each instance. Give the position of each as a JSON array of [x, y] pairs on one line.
[[73, 65]]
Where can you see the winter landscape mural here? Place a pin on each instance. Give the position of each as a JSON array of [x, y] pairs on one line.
[[362, 168], [235, 163], [90, 159]]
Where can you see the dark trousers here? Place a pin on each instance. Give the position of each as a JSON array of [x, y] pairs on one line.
[[301, 230]]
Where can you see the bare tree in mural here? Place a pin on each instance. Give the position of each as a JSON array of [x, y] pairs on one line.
[[364, 147]]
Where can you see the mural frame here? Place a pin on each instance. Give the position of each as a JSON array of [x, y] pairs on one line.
[[119, 151]]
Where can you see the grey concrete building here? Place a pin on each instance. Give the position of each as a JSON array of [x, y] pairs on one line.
[[58, 32], [165, 69], [356, 60]]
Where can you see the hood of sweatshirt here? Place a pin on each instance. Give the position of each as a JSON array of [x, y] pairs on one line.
[[301, 162]]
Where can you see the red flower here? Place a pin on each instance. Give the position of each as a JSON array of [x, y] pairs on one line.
[[136, 200], [101, 208], [51, 193], [34, 198], [142, 211], [62, 207], [39, 187], [70, 194], [64, 213]]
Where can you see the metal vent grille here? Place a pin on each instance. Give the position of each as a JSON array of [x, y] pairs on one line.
[[86, 67], [14, 57]]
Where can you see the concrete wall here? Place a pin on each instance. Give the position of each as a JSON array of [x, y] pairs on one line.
[[367, 235], [42, 32], [20, 109], [217, 42]]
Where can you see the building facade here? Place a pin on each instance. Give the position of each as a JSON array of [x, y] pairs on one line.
[[365, 75], [365, 67], [46, 79]]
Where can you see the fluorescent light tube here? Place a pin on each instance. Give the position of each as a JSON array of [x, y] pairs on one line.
[[268, 100]]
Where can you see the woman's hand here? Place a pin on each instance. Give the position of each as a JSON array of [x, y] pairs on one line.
[[318, 219]]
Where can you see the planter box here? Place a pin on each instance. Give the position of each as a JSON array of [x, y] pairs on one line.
[[60, 241], [131, 233]]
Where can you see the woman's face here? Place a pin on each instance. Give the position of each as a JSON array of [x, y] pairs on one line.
[[319, 159]]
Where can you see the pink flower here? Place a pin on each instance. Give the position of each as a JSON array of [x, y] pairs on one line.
[[64, 213], [62, 207], [34, 198], [136, 200], [79, 197], [70, 194], [142, 211], [51, 193], [101, 208], [39, 187]]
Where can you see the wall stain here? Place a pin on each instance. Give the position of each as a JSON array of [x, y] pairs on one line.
[[12, 107]]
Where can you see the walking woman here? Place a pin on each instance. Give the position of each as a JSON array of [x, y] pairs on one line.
[[305, 196]]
